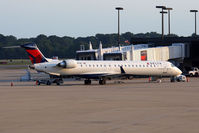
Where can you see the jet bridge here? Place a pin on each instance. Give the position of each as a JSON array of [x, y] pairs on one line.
[[142, 52], [164, 53]]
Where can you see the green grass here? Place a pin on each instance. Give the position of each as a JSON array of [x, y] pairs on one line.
[[15, 62]]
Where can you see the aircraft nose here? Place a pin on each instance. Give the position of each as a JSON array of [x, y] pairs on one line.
[[178, 71]]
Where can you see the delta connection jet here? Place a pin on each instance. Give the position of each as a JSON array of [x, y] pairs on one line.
[[100, 70]]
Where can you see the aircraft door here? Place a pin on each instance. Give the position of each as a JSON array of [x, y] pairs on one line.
[[165, 69]]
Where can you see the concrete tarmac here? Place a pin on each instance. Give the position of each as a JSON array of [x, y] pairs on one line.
[[134, 106]]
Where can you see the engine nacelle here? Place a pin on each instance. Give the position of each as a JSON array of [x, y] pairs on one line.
[[67, 64]]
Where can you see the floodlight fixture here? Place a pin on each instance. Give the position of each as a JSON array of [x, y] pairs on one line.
[[195, 11], [119, 8], [169, 20], [162, 12]]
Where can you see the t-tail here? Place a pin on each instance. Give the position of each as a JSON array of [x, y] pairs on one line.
[[34, 53]]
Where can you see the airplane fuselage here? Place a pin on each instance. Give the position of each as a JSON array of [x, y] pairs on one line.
[[150, 68]]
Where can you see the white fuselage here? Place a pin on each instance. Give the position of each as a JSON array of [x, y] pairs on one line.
[[151, 68]]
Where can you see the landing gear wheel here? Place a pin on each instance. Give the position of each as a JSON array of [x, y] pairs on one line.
[[48, 83], [87, 82], [59, 81], [172, 79], [102, 81]]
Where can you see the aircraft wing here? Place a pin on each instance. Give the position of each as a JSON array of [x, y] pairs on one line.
[[98, 75]]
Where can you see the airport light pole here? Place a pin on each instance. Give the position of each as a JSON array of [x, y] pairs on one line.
[[162, 12], [118, 9], [195, 11], [169, 20]]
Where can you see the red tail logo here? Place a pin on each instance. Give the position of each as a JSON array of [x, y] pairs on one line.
[[34, 53]]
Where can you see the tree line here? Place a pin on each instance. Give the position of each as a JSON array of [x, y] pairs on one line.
[[64, 47]]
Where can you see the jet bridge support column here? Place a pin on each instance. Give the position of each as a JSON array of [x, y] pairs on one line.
[[100, 53], [131, 52]]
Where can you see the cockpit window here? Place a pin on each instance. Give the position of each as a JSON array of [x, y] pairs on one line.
[[172, 65]]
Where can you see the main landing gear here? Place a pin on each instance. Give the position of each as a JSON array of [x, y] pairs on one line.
[[173, 79], [101, 82], [87, 82]]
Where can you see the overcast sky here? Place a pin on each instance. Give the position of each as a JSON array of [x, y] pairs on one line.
[[80, 18]]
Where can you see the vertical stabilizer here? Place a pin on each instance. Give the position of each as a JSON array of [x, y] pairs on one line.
[[34, 53]]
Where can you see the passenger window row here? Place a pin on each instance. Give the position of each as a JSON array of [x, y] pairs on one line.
[[118, 65]]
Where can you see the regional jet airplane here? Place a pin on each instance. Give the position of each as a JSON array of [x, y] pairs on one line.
[[100, 70]]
